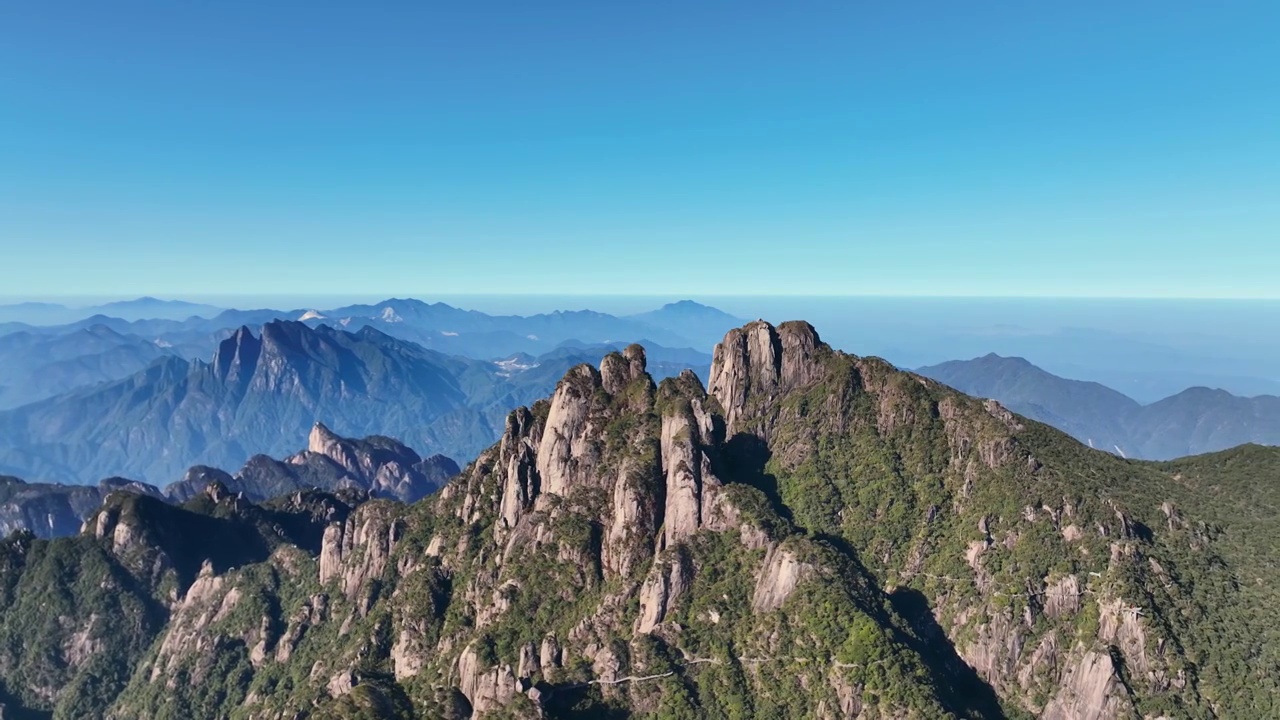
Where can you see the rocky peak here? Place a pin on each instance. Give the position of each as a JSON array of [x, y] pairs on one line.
[[324, 441], [195, 480], [217, 492], [283, 334], [759, 360], [635, 355], [438, 468], [237, 357], [381, 465], [617, 370], [112, 484], [566, 436]]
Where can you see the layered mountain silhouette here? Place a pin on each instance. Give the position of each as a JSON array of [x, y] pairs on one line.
[[436, 326], [261, 392], [810, 534], [36, 366], [1195, 421], [43, 313]]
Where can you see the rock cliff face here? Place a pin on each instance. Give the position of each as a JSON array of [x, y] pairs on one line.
[[818, 535], [758, 363]]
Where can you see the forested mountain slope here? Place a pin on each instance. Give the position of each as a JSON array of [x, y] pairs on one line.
[[813, 535]]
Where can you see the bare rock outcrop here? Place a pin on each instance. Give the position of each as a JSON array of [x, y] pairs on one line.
[[522, 484], [1119, 624], [564, 452], [1062, 597], [634, 517], [758, 360], [618, 370], [781, 574], [682, 463], [667, 581], [1089, 692], [356, 551], [486, 688], [382, 466]]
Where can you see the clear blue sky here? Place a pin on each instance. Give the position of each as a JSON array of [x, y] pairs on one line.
[[687, 148]]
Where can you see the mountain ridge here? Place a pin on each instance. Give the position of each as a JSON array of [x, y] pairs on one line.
[[811, 534], [1194, 421], [29, 374], [258, 392]]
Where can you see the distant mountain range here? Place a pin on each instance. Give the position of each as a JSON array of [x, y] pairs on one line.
[[1194, 421], [35, 366], [436, 326], [260, 392], [43, 313], [40, 361], [148, 396]]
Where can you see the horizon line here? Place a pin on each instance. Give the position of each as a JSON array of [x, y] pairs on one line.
[[674, 297]]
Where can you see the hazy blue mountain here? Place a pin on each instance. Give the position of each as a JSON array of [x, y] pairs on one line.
[[1091, 412], [1194, 421], [149, 308], [436, 326], [701, 324], [1200, 420], [34, 313], [1151, 385], [43, 313], [260, 393], [476, 334], [37, 366], [1143, 367]]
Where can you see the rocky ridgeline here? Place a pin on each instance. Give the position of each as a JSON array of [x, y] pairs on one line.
[[816, 535], [379, 466]]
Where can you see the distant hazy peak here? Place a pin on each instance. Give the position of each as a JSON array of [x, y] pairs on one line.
[[1007, 360], [687, 305], [237, 356], [1201, 391]]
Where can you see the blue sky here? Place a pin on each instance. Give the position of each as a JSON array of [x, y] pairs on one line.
[[906, 148]]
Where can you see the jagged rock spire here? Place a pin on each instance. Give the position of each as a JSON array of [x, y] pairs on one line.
[[237, 357], [759, 360], [617, 370]]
